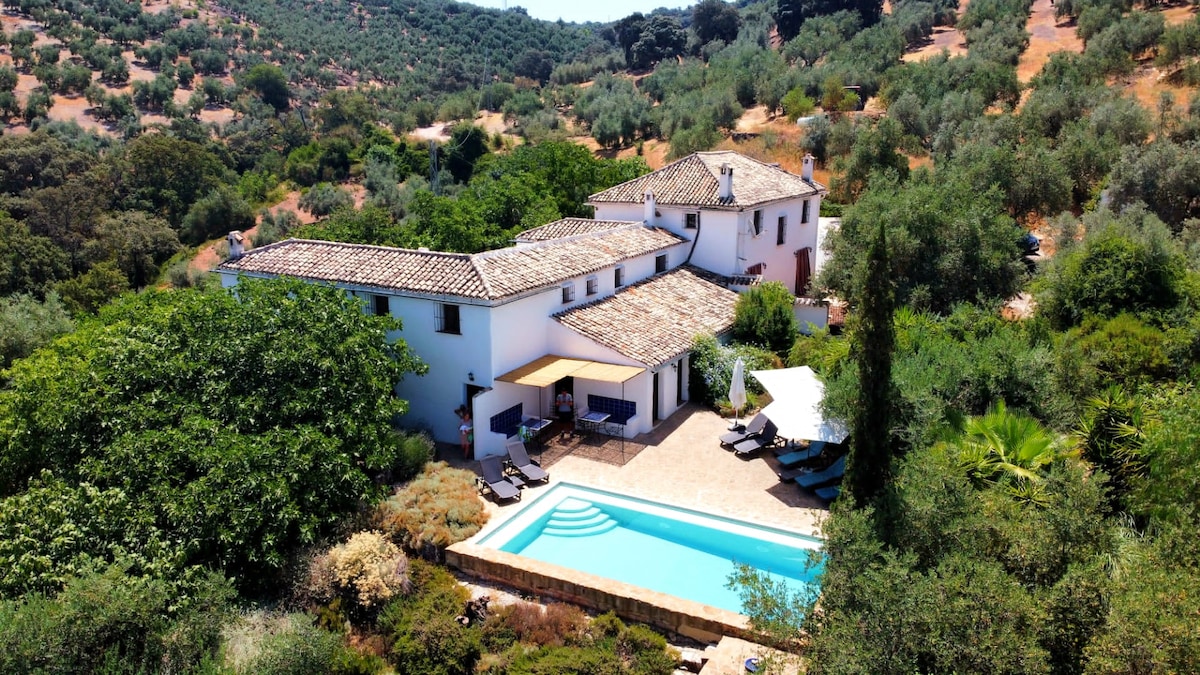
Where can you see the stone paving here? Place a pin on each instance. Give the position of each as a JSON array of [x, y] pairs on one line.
[[680, 463]]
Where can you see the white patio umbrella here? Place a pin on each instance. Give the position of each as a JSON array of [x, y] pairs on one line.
[[737, 388], [796, 410]]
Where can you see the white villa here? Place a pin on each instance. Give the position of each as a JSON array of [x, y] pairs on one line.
[[605, 308]]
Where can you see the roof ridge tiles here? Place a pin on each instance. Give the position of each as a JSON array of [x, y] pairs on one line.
[[376, 247]]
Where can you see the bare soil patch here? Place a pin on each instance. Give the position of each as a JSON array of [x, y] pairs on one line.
[[943, 38], [753, 120], [1179, 13], [438, 132], [1046, 36]]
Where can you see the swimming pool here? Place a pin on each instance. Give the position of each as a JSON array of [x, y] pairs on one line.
[[680, 552]]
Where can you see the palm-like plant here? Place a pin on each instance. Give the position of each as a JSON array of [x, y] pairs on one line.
[[1005, 448], [1111, 434]]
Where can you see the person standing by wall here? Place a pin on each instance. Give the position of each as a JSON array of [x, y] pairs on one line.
[[466, 432]]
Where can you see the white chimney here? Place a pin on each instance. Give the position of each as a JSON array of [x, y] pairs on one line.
[[237, 245], [806, 172], [725, 189], [651, 208]]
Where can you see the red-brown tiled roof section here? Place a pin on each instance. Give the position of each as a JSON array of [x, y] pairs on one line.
[[492, 275], [655, 321], [425, 272], [510, 271], [694, 181], [569, 227]]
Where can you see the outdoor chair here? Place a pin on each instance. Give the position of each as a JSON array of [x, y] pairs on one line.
[[767, 438], [752, 429], [518, 460], [493, 479], [829, 493], [784, 449], [795, 457], [815, 479]]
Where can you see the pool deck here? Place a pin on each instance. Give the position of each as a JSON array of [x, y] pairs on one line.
[[681, 463]]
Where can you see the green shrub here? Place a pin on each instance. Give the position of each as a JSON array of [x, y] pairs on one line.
[[712, 368], [424, 633], [765, 316], [264, 644], [437, 508], [113, 622], [416, 450]]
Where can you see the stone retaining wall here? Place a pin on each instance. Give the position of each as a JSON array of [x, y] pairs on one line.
[[665, 612]]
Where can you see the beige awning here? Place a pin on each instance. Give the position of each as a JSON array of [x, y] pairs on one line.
[[549, 369]]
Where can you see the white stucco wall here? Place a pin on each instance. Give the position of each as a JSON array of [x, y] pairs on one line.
[[811, 315], [451, 359], [727, 244]]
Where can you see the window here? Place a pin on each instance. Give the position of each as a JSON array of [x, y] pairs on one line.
[[619, 276], [568, 291], [593, 286], [660, 263], [758, 223], [691, 221], [448, 319], [380, 305], [804, 212], [781, 235]]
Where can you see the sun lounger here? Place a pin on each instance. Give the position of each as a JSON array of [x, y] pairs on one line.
[[800, 456], [751, 430], [790, 474], [767, 438], [818, 478], [829, 493], [518, 460], [493, 479], [785, 449]]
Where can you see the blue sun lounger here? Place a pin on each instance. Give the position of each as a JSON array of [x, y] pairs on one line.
[[835, 472], [798, 456], [829, 493]]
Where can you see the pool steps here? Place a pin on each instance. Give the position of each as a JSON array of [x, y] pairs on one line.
[[578, 518]]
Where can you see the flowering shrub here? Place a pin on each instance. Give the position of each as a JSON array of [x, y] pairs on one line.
[[367, 570], [712, 368]]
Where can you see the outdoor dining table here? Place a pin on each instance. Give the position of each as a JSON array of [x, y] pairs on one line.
[[594, 421], [532, 428]]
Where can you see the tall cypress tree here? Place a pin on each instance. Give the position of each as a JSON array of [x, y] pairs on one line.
[[869, 465]]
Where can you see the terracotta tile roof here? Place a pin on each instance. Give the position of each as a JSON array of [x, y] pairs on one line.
[[362, 265], [569, 227], [492, 275], [693, 181], [509, 271], [654, 321]]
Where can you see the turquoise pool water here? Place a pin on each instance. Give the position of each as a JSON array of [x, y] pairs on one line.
[[680, 552]]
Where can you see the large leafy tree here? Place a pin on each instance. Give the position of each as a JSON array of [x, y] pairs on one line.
[[947, 242], [1126, 263], [715, 20], [245, 423], [166, 176]]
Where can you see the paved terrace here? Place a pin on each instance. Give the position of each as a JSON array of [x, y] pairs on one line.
[[680, 463]]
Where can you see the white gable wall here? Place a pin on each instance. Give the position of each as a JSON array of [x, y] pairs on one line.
[[780, 260], [727, 245]]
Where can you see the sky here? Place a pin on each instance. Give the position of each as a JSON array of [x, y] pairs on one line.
[[585, 10]]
